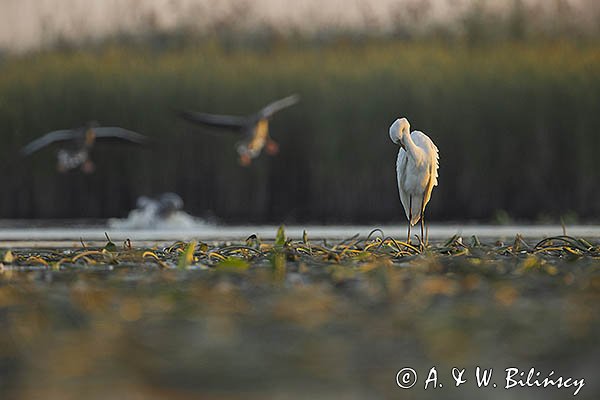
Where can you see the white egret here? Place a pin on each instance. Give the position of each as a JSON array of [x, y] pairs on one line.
[[417, 170]]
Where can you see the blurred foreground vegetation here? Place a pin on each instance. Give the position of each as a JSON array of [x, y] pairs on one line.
[[284, 319], [517, 125]]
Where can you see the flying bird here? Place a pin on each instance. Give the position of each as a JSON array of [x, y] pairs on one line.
[[77, 144], [253, 128], [417, 169]]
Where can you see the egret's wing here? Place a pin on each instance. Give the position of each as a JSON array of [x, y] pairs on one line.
[[431, 152], [115, 133], [48, 139], [218, 121], [278, 105], [431, 160], [401, 165]]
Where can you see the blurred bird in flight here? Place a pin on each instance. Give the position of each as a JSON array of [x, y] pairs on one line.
[[77, 144], [253, 128]]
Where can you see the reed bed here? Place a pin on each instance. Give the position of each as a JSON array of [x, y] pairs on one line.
[[516, 124]]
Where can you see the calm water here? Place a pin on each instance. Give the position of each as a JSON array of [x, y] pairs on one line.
[[62, 234]]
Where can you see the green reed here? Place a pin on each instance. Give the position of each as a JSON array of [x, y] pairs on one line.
[[516, 124]]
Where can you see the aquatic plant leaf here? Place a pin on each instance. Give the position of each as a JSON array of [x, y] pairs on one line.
[[9, 257], [531, 263], [110, 246], [203, 247], [450, 242], [186, 258], [279, 264], [253, 241], [280, 237], [233, 264]]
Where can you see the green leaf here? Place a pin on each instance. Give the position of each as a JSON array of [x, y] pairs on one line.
[[110, 246], [253, 241], [203, 247], [304, 237], [8, 257], [187, 256], [280, 237], [233, 264], [278, 263]]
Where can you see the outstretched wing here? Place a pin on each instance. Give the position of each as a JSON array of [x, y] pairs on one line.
[[272, 108], [232, 122], [48, 139], [115, 133]]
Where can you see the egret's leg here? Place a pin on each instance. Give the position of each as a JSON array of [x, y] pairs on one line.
[[409, 218], [423, 221]]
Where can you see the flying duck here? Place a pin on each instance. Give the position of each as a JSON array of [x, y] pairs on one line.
[[254, 128], [78, 143]]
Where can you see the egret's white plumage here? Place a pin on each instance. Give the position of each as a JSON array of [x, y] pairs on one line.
[[417, 169]]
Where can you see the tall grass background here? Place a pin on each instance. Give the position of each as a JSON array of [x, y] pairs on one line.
[[517, 124]]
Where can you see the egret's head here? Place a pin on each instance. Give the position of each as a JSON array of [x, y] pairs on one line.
[[398, 130]]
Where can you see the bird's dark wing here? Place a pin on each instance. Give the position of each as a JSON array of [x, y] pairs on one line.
[[278, 105], [232, 122], [48, 139], [116, 134]]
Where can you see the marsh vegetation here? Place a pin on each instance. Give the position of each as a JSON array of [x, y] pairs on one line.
[[293, 316], [487, 106], [512, 104]]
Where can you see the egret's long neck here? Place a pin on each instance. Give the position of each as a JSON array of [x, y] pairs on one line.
[[411, 148]]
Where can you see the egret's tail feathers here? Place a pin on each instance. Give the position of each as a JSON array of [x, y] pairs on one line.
[[413, 215], [415, 219]]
